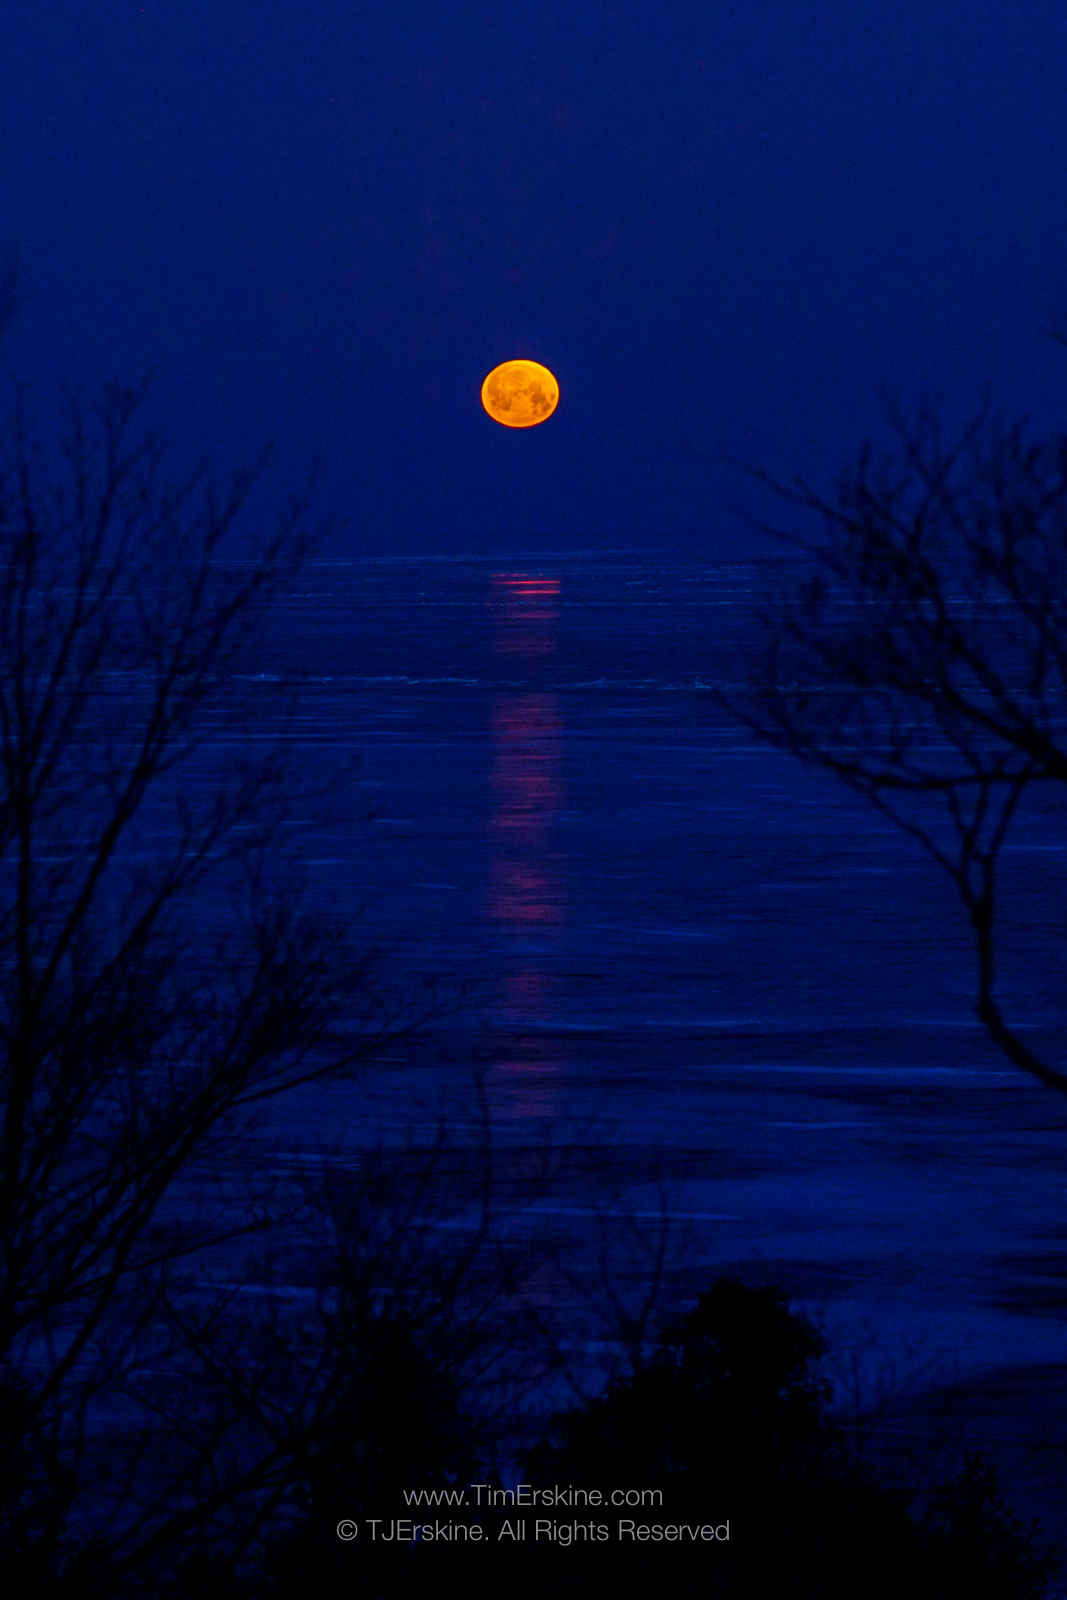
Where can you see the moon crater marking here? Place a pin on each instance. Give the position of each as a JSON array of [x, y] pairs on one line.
[[520, 393]]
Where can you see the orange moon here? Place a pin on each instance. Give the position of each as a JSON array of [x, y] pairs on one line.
[[520, 394]]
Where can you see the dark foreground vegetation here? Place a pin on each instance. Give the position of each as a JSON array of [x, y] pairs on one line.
[[757, 1491]]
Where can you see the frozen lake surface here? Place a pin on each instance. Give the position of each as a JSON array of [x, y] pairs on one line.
[[743, 996]]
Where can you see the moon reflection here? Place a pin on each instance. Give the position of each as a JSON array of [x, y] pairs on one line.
[[526, 891]]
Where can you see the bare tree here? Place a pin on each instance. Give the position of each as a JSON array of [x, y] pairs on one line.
[[920, 654], [142, 1017]]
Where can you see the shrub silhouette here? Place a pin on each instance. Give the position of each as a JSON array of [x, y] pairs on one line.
[[973, 1542], [396, 1426], [728, 1388], [727, 1418]]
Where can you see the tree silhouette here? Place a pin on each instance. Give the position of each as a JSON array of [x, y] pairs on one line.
[[728, 1419], [142, 1019], [922, 657]]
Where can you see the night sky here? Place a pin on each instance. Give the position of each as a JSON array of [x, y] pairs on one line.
[[722, 226]]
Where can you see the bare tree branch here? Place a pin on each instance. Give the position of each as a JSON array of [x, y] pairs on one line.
[[921, 655], [136, 1031]]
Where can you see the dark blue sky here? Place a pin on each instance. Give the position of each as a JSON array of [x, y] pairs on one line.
[[722, 226]]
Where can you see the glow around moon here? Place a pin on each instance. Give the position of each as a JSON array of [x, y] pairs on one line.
[[520, 394]]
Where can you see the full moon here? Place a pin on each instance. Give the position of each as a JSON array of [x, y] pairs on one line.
[[520, 394]]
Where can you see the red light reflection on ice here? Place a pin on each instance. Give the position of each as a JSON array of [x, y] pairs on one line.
[[524, 991], [525, 889], [525, 774], [527, 1073], [524, 606], [524, 885]]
